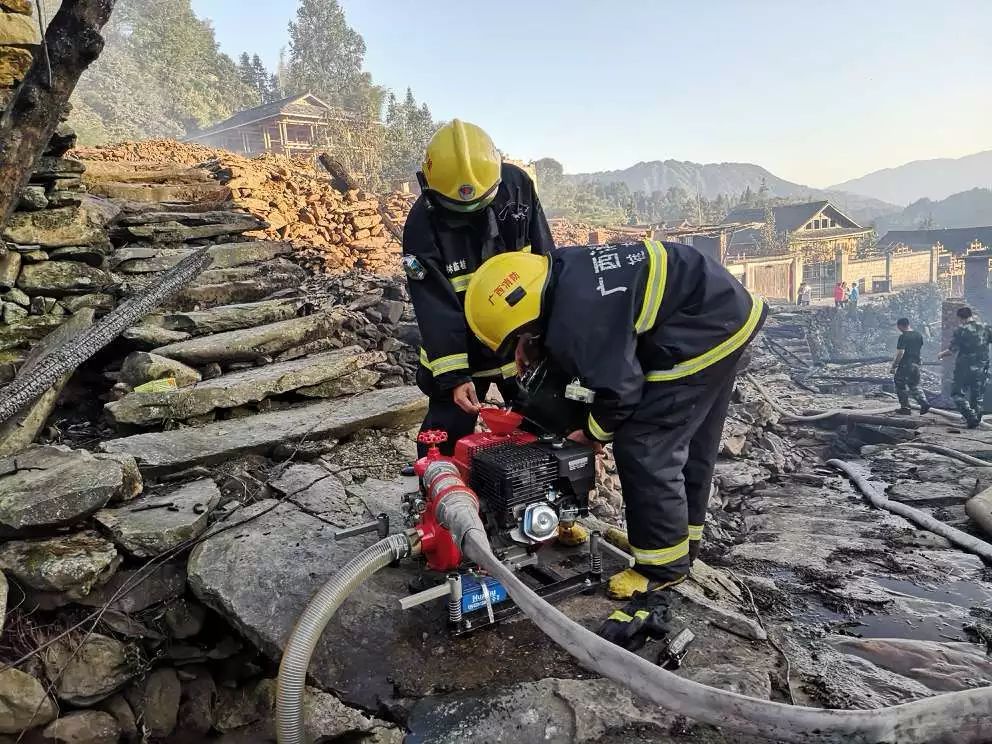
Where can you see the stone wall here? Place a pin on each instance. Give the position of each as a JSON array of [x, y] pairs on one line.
[[19, 37], [869, 330], [863, 272], [949, 321], [55, 246], [55, 242]]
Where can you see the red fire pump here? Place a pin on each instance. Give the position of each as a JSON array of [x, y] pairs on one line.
[[525, 485]]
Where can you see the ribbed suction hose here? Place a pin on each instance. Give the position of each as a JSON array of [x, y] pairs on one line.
[[303, 640], [954, 718]]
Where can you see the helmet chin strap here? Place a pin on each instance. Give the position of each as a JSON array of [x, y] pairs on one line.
[[425, 190], [491, 245]]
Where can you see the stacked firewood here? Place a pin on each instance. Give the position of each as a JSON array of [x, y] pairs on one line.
[[148, 151], [334, 227]]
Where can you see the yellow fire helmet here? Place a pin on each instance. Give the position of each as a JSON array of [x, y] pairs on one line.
[[505, 297], [461, 169]]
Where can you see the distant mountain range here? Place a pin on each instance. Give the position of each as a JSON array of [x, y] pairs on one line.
[[931, 179], [712, 179], [968, 209]]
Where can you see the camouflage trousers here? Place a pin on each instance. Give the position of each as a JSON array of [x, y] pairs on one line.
[[907, 380], [968, 389]]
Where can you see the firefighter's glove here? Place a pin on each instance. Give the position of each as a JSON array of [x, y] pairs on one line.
[[572, 534], [646, 616]]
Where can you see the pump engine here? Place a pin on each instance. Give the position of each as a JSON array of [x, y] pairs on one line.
[[528, 479], [526, 485]]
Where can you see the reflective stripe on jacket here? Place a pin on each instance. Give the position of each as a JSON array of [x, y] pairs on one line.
[[450, 247], [683, 313]]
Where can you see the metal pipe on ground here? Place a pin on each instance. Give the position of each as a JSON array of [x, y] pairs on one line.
[[853, 417], [979, 506], [790, 416], [941, 450]]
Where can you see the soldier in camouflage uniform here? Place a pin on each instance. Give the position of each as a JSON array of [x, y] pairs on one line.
[[971, 366]]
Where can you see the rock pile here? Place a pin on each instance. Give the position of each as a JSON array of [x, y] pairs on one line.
[[256, 362], [567, 233], [384, 318]]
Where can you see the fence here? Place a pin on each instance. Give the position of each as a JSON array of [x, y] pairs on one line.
[[876, 274], [772, 277]]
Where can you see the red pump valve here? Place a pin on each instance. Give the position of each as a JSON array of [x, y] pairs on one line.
[[432, 438]]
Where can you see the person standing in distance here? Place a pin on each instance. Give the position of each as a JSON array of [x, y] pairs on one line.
[[906, 368], [970, 345]]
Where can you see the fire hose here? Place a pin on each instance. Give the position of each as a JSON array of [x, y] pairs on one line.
[[963, 540], [979, 506], [963, 717], [303, 640]]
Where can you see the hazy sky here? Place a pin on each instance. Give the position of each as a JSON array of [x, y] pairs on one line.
[[815, 92]]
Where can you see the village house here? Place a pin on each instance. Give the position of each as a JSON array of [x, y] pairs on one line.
[[293, 126], [817, 230], [957, 240]]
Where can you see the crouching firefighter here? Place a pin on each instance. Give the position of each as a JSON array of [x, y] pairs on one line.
[[652, 334], [472, 207]]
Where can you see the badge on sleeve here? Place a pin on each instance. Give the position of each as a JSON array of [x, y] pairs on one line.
[[413, 268]]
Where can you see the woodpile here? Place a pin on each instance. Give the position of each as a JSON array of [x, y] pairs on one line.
[[567, 233], [148, 151], [332, 229]]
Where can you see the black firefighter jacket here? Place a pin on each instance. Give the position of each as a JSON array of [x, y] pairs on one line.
[[657, 314], [448, 248]]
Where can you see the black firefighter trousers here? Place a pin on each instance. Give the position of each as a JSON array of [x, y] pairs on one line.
[[442, 413], [665, 455]]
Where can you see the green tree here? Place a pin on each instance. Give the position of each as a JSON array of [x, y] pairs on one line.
[[253, 74], [558, 194], [764, 194], [550, 173], [409, 127], [326, 57], [770, 241], [161, 74], [245, 71]]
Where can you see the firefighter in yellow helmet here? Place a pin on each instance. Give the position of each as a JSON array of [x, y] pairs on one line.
[[472, 206], [651, 335]]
